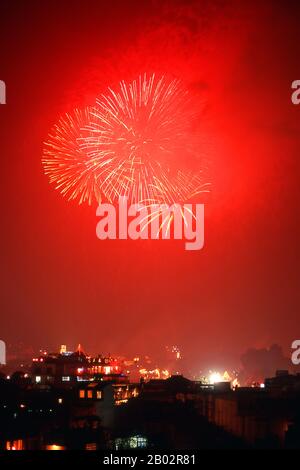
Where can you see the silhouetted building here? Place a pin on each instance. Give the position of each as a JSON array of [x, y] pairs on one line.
[[66, 369]]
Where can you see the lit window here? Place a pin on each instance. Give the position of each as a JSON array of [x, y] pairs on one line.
[[137, 442], [15, 445], [66, 378], [99, 394], [92, 446], [38, 379], [90, 394], [54, 447], [81, 394]]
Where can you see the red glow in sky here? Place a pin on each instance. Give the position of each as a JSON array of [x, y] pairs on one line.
[[60, 285]]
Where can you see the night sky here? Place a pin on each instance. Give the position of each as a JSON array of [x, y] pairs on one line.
[[59, 283]]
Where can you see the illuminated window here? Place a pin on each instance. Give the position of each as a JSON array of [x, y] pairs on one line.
[[92, 446], [54, 447], [134, 442], [81, 393], [99, 394], [38, 379], [90, 394], [66, 378], [137, 442], [15, 445]]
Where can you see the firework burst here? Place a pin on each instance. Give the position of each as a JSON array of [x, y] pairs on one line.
[[128, 144], [66, 163]]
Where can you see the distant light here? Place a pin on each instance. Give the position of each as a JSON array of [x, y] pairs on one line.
[[8, 377], [60, 400], [54, 447], [235, 383], [63, 349], [262, 385], [38, 379], [215, 377], [138, 442], [22, 405]]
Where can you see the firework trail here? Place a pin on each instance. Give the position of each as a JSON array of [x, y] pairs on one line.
[[126, 145], [66, 164]]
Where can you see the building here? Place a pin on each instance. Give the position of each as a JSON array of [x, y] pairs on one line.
[[66, 369]]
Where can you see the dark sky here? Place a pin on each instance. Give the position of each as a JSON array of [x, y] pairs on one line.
[[59, 283]]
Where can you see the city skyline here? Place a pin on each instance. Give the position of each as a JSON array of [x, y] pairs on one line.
[[59, 282]]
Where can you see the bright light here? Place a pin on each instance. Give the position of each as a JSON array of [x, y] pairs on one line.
[[235, 383], [215, 377], [55, 447], [262, 385]]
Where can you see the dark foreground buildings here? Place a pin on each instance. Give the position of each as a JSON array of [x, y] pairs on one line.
[[72, 401]]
